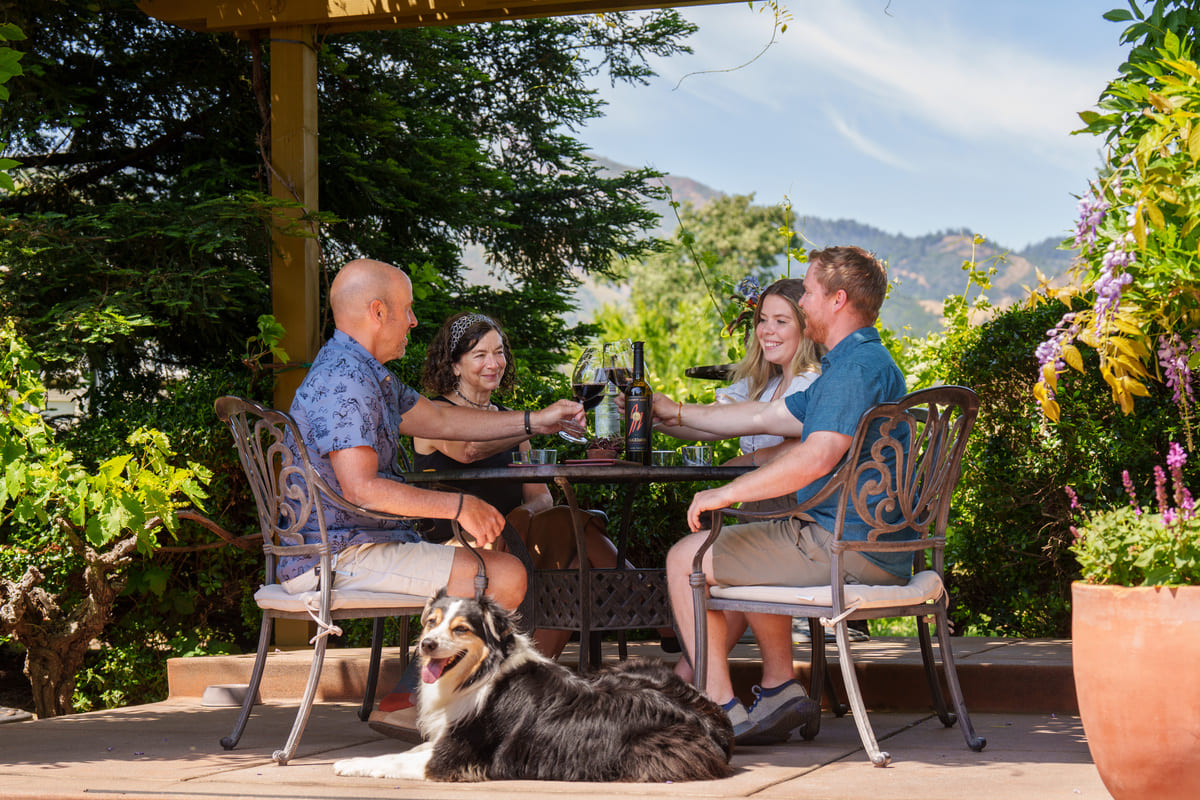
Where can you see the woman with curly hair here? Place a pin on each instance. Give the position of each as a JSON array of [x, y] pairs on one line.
[[468, 360]]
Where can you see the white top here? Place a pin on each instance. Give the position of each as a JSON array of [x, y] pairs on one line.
[[740, 392]]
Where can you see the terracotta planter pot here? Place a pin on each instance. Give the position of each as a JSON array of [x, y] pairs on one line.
[[1136, 654]]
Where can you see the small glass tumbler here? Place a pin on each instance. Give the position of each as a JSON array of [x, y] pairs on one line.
[[543, 456], [664, 458], [697, 455]]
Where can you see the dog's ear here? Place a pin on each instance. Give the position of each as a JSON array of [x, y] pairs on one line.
[[500, 622], [438, 595]]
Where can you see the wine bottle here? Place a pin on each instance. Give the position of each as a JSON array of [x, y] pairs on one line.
[[608, 416], [637, 411]]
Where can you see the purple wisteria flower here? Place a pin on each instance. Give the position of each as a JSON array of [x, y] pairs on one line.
[[1092, 208], [1050, 351], [1112, 282], [1173, 355]]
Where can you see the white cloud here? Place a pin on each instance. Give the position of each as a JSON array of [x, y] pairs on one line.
[[909, 61], [864, 145]]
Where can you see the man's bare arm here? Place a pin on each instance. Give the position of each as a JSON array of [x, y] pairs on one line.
[[431, 420], [356, 470], [798, 466]]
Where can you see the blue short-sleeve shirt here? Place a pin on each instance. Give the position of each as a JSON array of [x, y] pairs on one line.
[[856, 374], [349, 399]]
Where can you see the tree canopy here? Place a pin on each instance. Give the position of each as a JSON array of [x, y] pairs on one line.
[[138, 221]]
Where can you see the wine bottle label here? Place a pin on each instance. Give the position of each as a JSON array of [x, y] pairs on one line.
[[637, 434]]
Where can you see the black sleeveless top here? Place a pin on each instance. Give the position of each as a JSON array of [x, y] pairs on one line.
[[503, 495]]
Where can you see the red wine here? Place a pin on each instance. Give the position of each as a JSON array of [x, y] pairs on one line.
[[637, 411], [619, 376], [588, 393]]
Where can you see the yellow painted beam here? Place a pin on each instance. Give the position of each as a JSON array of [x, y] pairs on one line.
[[295, 277], [343, 16]]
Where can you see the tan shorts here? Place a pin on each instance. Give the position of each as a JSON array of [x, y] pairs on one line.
[[786, 552], [419, 568]]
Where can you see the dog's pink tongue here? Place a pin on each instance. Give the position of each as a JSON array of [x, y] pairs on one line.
[[432, 670]]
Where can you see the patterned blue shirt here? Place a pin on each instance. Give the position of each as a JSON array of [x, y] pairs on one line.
[[856, 374], [348, 399]]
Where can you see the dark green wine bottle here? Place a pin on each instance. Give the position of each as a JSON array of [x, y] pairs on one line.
[[638, 411]]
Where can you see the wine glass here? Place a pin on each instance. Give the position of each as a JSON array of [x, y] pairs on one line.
[[587, 384], [618, 359]]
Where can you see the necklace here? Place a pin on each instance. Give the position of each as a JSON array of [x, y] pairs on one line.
[[470, 402]]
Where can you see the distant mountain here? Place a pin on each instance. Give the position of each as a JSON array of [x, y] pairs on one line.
[[928, 268]]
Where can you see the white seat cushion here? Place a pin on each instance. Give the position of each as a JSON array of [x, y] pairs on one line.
[[275, 598], [921, 588]]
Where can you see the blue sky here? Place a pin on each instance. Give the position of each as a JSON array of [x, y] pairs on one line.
[[909, 115]]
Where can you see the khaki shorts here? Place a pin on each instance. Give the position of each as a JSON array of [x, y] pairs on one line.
[[419, 568], [786, 552]]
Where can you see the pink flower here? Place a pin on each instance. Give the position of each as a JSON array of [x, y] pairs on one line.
[[1073, 497], [1128, 482], [1176, 457], [1160, 489]]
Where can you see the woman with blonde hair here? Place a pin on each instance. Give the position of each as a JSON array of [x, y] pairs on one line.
[[780, 360]]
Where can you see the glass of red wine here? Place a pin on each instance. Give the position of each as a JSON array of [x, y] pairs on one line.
[[587, 384], [618, 358]]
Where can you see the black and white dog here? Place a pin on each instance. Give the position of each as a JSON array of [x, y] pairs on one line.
[[492, 708]]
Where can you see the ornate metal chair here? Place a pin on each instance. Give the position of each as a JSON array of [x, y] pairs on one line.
[[288, 491], [910, 453]]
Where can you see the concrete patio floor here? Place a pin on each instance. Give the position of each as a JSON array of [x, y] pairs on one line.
[[171, 750]]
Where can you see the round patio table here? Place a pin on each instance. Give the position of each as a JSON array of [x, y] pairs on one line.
[[583, 599]]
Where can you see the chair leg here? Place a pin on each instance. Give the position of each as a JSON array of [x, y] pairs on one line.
[[878, 757], [816, 637], [700, 643], [818, 676], [260, 663], [594, 653], [931, 677], [973, 741], [364, 712], [310, 690]]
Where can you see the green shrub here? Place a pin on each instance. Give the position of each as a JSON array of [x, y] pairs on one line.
[[1008, 562]]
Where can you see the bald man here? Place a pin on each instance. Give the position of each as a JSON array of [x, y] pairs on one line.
[[351, 411]]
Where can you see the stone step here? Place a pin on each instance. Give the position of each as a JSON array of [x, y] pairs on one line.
[[997, 674]]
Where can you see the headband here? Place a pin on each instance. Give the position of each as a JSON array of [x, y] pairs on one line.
[[460, 325]]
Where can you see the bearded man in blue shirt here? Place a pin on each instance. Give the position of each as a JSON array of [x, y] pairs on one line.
[[843, 292]]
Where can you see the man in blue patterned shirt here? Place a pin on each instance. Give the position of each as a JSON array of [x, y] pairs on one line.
[[843, 291], [351, 412]]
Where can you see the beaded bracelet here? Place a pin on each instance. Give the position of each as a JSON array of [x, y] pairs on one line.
[[679, 415]]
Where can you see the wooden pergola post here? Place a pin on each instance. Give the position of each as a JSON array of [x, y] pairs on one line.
[[295, 276]]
